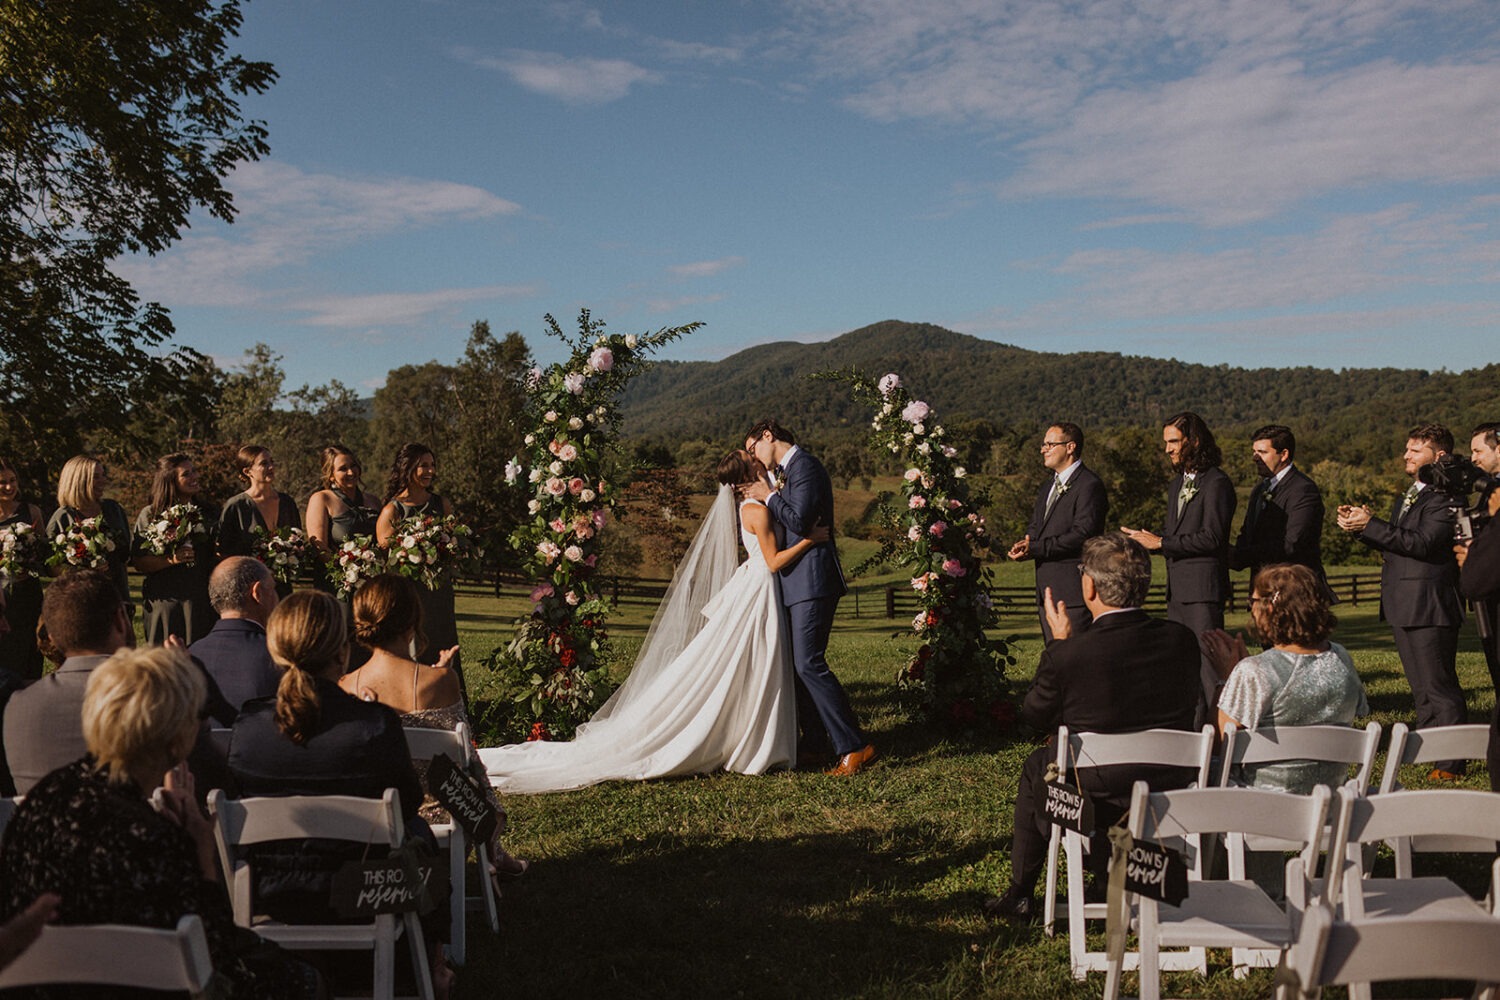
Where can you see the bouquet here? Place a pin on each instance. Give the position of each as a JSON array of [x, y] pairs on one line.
[[430, 549], [21, 553], [354, 562], [85, 543], [178, 525], [284, 551]]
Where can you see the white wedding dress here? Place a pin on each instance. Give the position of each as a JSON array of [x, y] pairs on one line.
[[710, 690]]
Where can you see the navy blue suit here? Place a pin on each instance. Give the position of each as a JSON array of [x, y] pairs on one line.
[[1057, 538], [810, 589], [235, 656]]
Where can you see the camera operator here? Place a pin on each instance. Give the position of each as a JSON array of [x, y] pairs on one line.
[[1479, 575]]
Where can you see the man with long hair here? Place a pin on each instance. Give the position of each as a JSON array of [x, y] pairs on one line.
[[1195, 535]]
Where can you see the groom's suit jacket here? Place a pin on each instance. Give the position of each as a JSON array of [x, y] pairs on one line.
[[1057, 536], [805, 501], [1195, 541]]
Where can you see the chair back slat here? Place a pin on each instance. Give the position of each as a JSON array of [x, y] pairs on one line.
[[335, 817], [1324, 743], [1330, 952], [116, 955], [1164, 747], [1170, 816], [1423, 746], [426, 744]]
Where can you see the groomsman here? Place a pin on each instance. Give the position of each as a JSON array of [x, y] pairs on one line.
[[1195, 535], [1070, 509], [1419, 586], [1284, 522]]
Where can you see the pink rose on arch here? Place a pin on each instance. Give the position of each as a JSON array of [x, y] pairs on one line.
[[572, 598], [954, 568], [917, 502], [573, 382], [600, 516], [556, 486], [567, 453], [573, 554], [575, 486], [913, 533], [592, 559], [548, 550], [919, 582], [889, 383], [937, 528], [542, 590], [554, 446], [558, 525], [912, 475], [602, 360], [533, 378], [916, 411], [954, 504]]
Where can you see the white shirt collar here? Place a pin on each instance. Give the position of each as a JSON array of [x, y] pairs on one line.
[[791, 453], [1275, 481], [1067, 473]]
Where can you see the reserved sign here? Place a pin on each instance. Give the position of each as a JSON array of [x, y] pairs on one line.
[[1156, 872], [1066, 806], [457, 791], [398, 884]]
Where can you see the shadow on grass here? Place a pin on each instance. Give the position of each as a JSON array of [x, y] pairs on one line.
[[814, 915]]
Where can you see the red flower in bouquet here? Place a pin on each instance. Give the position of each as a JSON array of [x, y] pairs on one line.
[[538, 732]]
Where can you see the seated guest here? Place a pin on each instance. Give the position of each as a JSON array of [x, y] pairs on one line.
[[388, 620], [1302, 679], [1128, 672], [314, 739], [86, 623], [243, 592], [88, 830]]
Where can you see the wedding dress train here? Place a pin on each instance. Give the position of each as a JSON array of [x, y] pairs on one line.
[[711, 688]]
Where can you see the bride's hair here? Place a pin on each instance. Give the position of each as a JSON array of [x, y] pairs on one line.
[[738, 467]]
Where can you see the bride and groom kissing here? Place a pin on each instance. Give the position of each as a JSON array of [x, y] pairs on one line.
[[735, 661]]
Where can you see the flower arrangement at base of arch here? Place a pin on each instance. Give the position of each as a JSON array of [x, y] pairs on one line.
[[554, 673], [956, 676]]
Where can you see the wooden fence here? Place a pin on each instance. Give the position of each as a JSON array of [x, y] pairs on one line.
[[893, 601]]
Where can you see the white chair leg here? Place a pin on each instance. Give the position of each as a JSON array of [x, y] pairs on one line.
[[1049, 901], [384, 957], [1150, 952], [421, 969], [457, 900], [487, 887]]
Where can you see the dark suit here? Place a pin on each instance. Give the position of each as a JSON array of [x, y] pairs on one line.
[[1127, 673], [1285, 526], [1056, 542], [1195, 542], [1480, 582], [1419, 598], [810, 589], [235, 656], [44, 722]]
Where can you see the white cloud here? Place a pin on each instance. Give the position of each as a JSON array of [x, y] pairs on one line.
[[705, 268], [398, 308], [663, 305], [286, 217], [574, 80]]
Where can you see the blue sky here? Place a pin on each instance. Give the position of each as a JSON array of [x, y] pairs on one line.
[[1253, 182]]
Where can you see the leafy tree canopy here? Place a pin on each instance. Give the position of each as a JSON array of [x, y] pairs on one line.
[[118, 118]]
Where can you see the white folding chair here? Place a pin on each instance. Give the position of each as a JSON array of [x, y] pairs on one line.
[[116, 955], [1286, 744], [1424, 746], [1370, 819], [219, 738], [1168, 747], [1233, 913], [243, 822], [1330, 952], [425, 744]]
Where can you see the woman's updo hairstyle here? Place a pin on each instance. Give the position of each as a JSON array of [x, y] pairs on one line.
[[307, 638], [386, 608], [1293, 607], [739, 466], [247, 456]]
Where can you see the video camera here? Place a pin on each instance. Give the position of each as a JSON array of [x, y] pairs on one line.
[[1459, 477]]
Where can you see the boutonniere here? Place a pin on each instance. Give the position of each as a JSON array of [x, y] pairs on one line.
[[1063, 488], [1188, 491], [780, 475]]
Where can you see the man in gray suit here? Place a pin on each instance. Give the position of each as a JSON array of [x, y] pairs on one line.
[[1070, 509], [1419, 586], [86, 621]]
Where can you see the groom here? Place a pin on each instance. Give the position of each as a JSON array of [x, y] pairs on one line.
[[811, 586]]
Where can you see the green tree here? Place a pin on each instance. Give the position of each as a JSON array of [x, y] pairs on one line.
[[415, 404], [117, 120]]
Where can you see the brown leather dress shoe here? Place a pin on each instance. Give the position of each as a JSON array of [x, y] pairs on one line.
[[1438, 774], [854, 761]]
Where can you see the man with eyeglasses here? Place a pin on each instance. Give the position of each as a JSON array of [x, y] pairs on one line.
[[1071, 508]]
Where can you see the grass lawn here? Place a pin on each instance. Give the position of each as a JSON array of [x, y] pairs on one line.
[[800, 885]]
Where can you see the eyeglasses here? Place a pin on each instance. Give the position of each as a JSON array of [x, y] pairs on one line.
[[1054, 444]]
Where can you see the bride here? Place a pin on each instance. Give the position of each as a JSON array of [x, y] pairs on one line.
[[712, 685]]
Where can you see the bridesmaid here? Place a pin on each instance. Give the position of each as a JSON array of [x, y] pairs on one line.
[[409, 494], [80, 496], [338, 511], [23, 597], [174, 589], [259, 506]]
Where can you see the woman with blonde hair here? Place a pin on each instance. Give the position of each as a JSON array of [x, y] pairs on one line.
[[80, 496], [388, 619], [88, 831], [312, 738]]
